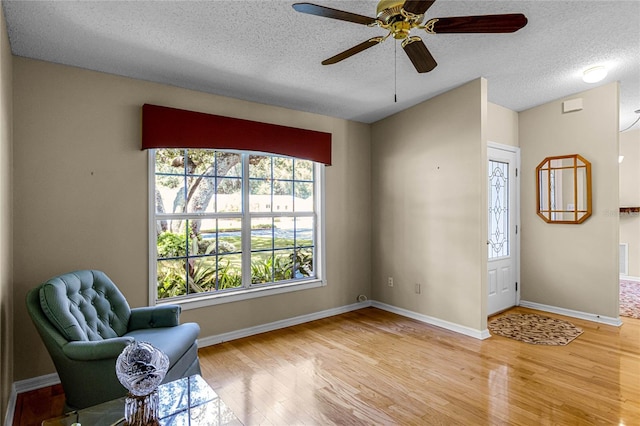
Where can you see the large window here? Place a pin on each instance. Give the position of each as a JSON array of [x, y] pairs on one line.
[[229, 225]]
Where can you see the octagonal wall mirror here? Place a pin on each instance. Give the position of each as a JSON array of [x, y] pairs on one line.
[[564, 189]]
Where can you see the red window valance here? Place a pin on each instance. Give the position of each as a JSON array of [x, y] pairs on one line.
[[164, 127]]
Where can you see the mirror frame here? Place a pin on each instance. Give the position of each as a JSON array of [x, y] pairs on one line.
[[579, 215]]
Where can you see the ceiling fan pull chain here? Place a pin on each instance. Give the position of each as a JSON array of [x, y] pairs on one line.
[[395, 71]]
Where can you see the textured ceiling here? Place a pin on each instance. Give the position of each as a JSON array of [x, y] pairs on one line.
[[266, 52]]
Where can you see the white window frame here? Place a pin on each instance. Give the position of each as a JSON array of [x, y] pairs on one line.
[[208, 299]]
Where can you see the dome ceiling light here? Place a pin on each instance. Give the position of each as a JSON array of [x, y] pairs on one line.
[[594, 74]]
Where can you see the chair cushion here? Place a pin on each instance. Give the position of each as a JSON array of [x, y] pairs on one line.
[[173, 341], [85, 305]]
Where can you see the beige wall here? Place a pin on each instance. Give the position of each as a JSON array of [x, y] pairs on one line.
[[630, 197], [429, 223], [502, 125], [572, 266], [81, 195], [6, 291]]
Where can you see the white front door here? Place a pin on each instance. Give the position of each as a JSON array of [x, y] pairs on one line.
[[502, 240]]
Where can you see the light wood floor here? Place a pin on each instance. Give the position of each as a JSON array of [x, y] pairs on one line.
[[374, 367]]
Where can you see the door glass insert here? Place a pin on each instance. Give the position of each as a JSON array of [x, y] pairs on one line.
[[498, 209]]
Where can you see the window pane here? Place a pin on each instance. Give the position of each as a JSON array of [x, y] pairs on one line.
[[259, 167], [208, 234], [197, 243], [171, 278], [261, 267], [283, 265], [283, 187], [303, 170], [201, 194], [282, 196], [229, 271], [303, 201], [170, 161], [304, 232], [282, 168], [170, 194], [228, 164], [229, 198], [170, 244], [202, 274], [304, 263], [283, 232], [262, 234], [201, 162], [229, 236], [260, 195]]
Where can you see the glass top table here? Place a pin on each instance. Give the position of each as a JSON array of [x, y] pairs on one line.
[[186, 401]]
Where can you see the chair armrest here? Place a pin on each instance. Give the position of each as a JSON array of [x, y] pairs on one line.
[[97, 349], [154, 316]]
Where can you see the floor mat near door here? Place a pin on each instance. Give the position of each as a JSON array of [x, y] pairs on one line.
[[535, 329]]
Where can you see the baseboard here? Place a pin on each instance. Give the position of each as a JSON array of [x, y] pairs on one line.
[[11, 407], [477, 334], [25, 386], [36, 383], [276, 325], [628, 278], [571, 313]]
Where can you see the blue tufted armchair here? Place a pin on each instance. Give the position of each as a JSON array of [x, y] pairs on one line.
[[85, 323]]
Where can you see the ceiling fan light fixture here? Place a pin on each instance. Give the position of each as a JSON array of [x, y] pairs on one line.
[[594, 74]]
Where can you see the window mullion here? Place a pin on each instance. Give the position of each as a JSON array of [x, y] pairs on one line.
[[319, 251], [153, 260], [246, 224]]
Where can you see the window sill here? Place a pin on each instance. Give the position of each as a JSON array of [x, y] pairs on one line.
[[198, 301]]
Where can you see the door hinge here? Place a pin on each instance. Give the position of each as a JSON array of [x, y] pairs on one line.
[[516, 285], [516, 229], [516, 172]]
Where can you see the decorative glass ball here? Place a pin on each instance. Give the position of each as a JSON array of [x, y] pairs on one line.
[[141, 367]]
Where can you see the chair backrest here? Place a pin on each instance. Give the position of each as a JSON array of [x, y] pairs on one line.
[[85, 305]]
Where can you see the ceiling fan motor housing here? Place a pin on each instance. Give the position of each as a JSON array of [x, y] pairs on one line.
[[389, 10], [389, 15]]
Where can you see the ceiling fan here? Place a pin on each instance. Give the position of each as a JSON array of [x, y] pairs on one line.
[[399, 17]]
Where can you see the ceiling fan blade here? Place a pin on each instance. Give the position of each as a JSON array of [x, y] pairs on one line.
[[508, 23], [350, 52], [417, 7], [419, 54], [327, 12]]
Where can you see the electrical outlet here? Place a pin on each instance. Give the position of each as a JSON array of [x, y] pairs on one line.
[[390, 281], [417, 288]]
